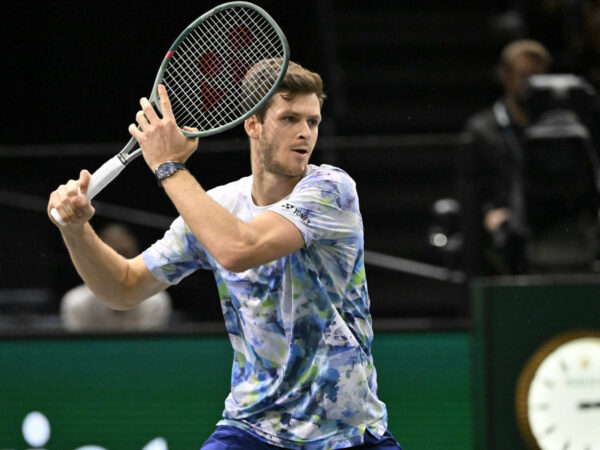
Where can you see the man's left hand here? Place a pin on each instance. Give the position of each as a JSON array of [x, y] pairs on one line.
[[160, 138]]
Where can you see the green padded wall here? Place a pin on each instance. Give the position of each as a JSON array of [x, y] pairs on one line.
[[123, 392]]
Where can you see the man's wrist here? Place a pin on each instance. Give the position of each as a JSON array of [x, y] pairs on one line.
[[75, 232], [167, 169]]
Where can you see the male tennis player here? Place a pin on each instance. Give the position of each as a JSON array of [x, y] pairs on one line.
[[286, 248]]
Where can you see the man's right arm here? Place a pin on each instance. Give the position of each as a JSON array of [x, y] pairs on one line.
[[121, 283]]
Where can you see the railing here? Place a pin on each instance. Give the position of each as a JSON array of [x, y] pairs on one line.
[[398, 177]]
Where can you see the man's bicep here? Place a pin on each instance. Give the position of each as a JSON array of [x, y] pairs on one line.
[[141, 281], [277, 236]]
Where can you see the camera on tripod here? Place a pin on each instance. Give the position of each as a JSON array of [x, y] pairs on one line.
[[560, 161], [560, 179]]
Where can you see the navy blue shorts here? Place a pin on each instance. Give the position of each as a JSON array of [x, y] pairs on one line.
[[228, 437]]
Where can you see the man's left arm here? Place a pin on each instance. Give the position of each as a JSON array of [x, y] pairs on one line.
[[236, 245]]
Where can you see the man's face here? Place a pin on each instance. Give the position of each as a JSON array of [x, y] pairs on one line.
[[522, 67], [288, 134]]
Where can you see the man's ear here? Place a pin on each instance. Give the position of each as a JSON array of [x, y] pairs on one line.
[[252, 127]]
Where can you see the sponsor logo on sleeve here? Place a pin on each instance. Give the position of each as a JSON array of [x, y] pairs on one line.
[[296, 212]]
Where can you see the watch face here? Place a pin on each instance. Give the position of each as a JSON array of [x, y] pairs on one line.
[[167, 169], [164, 171], [563, 399]]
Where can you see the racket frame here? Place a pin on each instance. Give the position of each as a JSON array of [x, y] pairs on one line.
[[128, 154], [114, 166]]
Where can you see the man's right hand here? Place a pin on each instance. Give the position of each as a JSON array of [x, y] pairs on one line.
[[494, 219], [71, 203]]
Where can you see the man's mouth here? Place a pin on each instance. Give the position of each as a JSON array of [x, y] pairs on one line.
[[300, 151]]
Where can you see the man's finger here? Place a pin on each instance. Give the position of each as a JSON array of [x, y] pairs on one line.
[[135, 132], [71, 188], [165, 104], [149, 112], [84, 181], [191, 130], [141, 119], [80, 204], [66, 210]]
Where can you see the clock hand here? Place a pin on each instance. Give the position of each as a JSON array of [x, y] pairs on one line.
[[589, 405]]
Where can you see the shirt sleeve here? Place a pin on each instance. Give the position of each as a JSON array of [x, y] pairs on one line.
[[323, 206], [176, 255]]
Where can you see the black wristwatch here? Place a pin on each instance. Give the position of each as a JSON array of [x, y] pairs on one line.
[[166, 169]]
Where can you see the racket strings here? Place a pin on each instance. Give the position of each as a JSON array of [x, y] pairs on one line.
[[189, 87], [213, 78], [209, 96], [260, 41], [270, 38], [231, 105], [187, 95]]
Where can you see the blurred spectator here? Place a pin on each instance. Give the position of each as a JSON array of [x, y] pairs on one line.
[[570, 30], [80, 310], [535, 169], [498, 136]]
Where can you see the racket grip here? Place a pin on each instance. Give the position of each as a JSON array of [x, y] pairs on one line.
[[104, 175], [56, 217], [99, 180]]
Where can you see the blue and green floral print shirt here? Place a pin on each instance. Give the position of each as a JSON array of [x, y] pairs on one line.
[[300, 327]]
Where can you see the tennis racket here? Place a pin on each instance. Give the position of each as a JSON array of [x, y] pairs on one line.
[[220, 70]]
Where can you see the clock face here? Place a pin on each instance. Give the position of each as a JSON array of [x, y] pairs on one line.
[[563, 401]]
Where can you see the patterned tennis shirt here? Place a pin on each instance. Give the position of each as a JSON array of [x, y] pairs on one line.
[[300, 327]]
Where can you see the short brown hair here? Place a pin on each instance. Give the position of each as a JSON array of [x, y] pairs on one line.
[[531, 48], [297, 80]]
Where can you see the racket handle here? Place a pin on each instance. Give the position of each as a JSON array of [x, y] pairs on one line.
[[56, 217], [99, 180], [103, 176]]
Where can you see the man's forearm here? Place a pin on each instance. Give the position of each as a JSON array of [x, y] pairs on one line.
[[235, 244], [102, 269], [223, 235]]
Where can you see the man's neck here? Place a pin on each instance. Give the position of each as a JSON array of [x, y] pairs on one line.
[[268, 188], [516, 112]]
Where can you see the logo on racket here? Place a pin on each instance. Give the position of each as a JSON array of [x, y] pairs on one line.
[[211, 96], [210, 64], [240, 37], [222, 74]]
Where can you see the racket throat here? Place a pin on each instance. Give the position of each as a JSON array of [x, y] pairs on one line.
[[123, 160]]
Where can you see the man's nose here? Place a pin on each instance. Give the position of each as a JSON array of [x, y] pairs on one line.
[[304, 131]]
